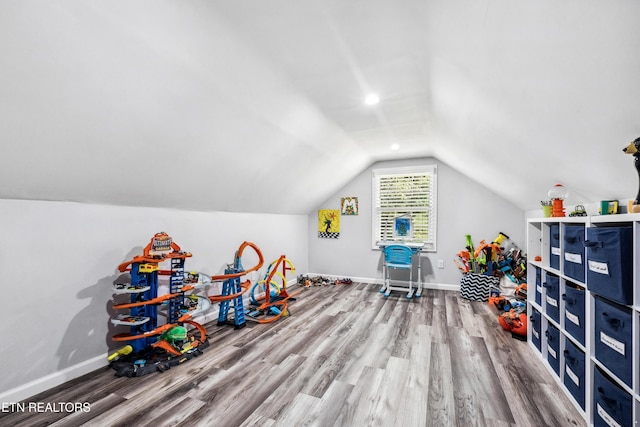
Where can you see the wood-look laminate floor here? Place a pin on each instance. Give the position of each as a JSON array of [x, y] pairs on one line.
[[346, 356]]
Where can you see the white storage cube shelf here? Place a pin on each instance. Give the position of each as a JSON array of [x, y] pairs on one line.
[[617, 340]]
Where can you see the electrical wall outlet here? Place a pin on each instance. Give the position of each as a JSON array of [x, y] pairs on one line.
[[440, 263]]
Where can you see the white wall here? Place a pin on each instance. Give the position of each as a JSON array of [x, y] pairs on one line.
[[60, 260], [464, 207]]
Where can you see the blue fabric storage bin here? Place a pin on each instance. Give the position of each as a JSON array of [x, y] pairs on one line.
[[610, 262], [610, 402], [538, 286], [574, 371], [574, 315], [553, 347], [573, 251], [613, 338], [536, 329], [554, 246], [552, 303]]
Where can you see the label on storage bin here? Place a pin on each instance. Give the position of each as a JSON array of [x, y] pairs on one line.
[[608, 419], [539, 288], [612, 342], [572, 317], [574, 258], [555, 250], [572, 375], [552, 352], [552, 302], [598, 267]]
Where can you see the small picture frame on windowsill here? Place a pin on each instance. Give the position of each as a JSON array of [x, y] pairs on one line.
[[403, 227]]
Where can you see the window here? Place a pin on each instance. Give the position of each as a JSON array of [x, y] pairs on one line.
[[408, 192]]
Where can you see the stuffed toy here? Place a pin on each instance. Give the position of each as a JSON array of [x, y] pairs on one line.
[[634, 149]]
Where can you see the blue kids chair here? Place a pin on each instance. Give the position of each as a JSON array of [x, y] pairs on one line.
[[397, 257]]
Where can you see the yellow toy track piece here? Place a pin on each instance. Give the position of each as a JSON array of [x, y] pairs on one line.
[[127, 349]]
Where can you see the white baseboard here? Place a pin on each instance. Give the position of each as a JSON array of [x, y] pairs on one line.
[[442, 286], [55, 379], [378, 281], [52, 380]]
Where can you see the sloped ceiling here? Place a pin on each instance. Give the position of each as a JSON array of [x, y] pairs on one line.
[[257, 106]]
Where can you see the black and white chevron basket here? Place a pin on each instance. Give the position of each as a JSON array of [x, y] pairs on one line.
[[476, 287]]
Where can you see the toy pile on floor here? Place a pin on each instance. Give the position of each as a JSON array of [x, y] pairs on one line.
[[308, 281], [509, 264], [513, 312]]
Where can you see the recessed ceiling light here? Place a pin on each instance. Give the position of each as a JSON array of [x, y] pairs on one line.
[[372, 99], [395, 147]]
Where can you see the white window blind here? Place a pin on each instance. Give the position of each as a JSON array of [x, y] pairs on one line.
[[409, 192]]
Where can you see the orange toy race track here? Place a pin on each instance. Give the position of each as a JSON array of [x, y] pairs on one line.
[[163, 298], [154, 301], [281, 303], [153, 347], [149, 255], [239, 255]]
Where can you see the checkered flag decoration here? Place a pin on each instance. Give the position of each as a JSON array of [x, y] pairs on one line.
[[328, 235]]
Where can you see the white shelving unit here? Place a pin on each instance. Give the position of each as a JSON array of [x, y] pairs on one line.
[[541, 232]]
